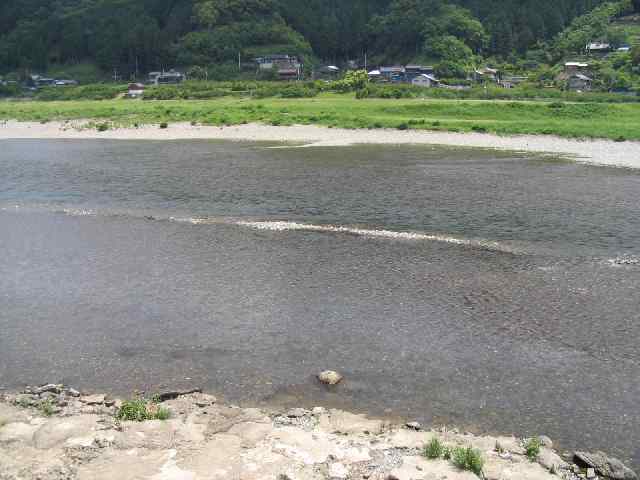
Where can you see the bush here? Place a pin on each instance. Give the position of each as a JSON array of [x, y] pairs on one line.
[[87, 92], [434, 449], [468, 459], [532, 448]]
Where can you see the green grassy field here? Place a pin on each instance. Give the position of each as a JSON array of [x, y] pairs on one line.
[[588, 120]]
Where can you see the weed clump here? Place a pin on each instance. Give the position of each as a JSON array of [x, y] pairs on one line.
[[46, 407], [434, 449], [139, 410], [468, 459], [532, 447]]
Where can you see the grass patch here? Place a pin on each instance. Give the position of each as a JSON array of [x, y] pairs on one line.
[[573, 120], [468, 459], [532, 448], [139, 410]]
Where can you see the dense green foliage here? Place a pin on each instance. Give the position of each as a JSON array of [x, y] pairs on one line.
[[129, 36]]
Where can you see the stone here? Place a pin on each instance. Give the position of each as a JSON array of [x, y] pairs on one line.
[[204, 400], [329, 377], [25, 400], [509, 444], [413, 425], [50, 387], [318, 411], [591, 473], [72, 392], [297, 413], [173, 394], [545, 441], [551, 460], [97, 399], [337, 471], [606, 466]]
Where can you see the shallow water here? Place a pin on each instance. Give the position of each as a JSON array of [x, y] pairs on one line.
[[494, 291]]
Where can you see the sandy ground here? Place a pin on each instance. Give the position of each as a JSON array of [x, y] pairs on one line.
[[80, 439], [602, 152]]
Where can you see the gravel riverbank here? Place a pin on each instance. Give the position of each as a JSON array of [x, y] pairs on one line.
[[602, 152], [57, 433]]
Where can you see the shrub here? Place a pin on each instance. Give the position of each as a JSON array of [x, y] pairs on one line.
[[479, 129], [46, 407], [434, 449], [87, 92], [468, 459], [102, 127], [164, 125], [402, 126], [532, 448]]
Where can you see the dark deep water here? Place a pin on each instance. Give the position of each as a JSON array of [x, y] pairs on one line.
[[514, 308]]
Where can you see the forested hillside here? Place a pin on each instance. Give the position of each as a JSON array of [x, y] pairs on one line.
[[142, 35]]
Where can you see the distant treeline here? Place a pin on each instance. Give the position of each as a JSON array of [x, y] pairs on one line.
[[142, 35]]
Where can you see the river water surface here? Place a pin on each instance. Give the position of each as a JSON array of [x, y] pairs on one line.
[[493, 291]]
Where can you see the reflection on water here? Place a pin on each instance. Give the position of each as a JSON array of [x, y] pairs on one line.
[[488, 290]]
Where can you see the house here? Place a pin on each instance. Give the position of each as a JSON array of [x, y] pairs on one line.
[[486, 74], [65, 83], [38, 81], [327, 72], [412, 71], [288, 67], [169, 78], [135, 90], [512, 81], [575, 67], [375, 75], [598, 48], [624, 48], [392, 74], [579, 82], [424, 80]]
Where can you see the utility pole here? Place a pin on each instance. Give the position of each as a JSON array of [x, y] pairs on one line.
[[239, 63], [365, 61]]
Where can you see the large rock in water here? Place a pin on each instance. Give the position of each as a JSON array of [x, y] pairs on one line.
[[606, 466], [329, 377]]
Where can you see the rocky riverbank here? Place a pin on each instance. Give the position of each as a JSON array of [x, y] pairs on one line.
[[57, 433]]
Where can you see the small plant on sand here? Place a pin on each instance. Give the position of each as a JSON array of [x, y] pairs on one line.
[[164, 125], [140, 409], [434, 449], [532, 448], [468, 459], [3, 422], [102, 127], [46, 407], [447, 453]]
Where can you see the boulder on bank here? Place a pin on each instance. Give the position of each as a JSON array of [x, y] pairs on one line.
[[329, 377], [608, 467]]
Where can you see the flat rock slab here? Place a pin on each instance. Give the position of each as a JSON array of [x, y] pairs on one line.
[[338, 421], [58, 430]]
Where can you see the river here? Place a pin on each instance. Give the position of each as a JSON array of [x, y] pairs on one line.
[[497, 292]]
